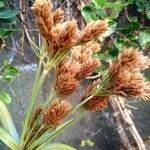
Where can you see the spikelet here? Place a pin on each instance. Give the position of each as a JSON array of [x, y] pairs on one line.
[[66, 83], [36, 114], [58, 16], [75, 67], [97, 103], [87, 69], [93, 30], [56, 113], [64, 36], [44, 17], [133, 59], [125, 75]]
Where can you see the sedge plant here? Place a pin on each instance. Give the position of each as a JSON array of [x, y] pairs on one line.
[[68, 51]]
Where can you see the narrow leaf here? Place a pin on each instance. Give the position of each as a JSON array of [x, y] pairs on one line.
[[7, 122], [49, 136], [4, 97], [8, 140]]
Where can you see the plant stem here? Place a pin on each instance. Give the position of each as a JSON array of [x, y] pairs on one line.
[[37, 86]]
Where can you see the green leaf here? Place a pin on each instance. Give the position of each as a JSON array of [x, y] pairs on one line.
[[4, 33], [87, 143], [4, 97], [8, 140], [105, 57], [57, 146], [100, 2], [144, 38], [9, 73], [7, 122], [46, 137], [8, 16], [117, 5], [1, 3], [148, 14], [88, 12]]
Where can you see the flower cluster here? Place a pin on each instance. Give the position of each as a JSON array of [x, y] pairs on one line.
[[126, 74], [59, 35], [125, 78], [76, 67], [56, 112]]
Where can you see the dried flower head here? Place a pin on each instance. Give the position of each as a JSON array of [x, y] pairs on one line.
[[56, 112], [58, 16], [87, 69], [93, 30], [66, 83], [126, 77], [133, 59], [36, 114], [97, 103], [44, 17], [64, 36], [75, 67]]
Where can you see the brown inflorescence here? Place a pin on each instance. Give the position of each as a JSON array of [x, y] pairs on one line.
[[36, 114], [56, 113], [44, 17], [64, 36], [58, 16], [93, 30], [97, 103], [61, 35], [76, 67], [126, 77]]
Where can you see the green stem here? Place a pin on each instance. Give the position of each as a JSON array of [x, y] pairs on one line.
[[37, 86]]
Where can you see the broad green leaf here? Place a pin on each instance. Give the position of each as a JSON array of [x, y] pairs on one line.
[[148, 14], [9, 73], [4, 97], [88, 12], [116, 5], [57, 146], [1, 3], [8, 140], [144, 38], [8, 14], [100, 2], [105, 57], [7, 122], [4, 33]]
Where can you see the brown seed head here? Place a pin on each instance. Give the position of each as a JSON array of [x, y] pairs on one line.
[[44, 17], [93, 30], [125, 75], [64, 36], [56, 112], [87, 69], [58, 16], [36, 114], [133, 59], [97, 103], [66, 83]]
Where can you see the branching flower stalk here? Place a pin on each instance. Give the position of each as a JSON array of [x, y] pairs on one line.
[[69, 52], [59, 37]]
